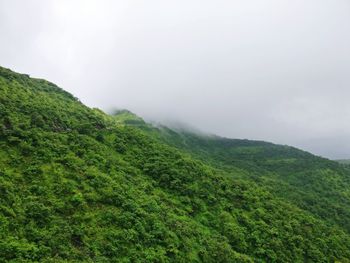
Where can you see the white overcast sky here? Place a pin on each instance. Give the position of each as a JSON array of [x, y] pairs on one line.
[[275, 70]]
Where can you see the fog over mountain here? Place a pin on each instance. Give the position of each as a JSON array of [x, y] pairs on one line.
[[273, 70]]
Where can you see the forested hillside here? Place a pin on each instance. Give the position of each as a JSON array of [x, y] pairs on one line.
[[78, 185], [315, 184]]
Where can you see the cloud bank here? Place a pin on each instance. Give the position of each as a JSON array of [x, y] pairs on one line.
[[275, 70]]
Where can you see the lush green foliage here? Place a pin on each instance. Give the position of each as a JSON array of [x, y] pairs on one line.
[[315, 184], [79, 185]]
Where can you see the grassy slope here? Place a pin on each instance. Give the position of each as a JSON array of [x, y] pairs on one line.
[[75, 185]]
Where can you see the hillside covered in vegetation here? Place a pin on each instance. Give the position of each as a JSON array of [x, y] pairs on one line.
[[79, 185]]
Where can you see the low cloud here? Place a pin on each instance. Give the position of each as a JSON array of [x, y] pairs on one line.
[[273, 70]]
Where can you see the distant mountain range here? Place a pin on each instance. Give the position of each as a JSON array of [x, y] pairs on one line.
[[343, 161]]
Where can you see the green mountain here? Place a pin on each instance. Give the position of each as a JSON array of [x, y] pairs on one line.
[[78, 185], [315, 184]]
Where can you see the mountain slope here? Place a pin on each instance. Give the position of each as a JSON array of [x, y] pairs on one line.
[[315, 184], [77, 185]]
